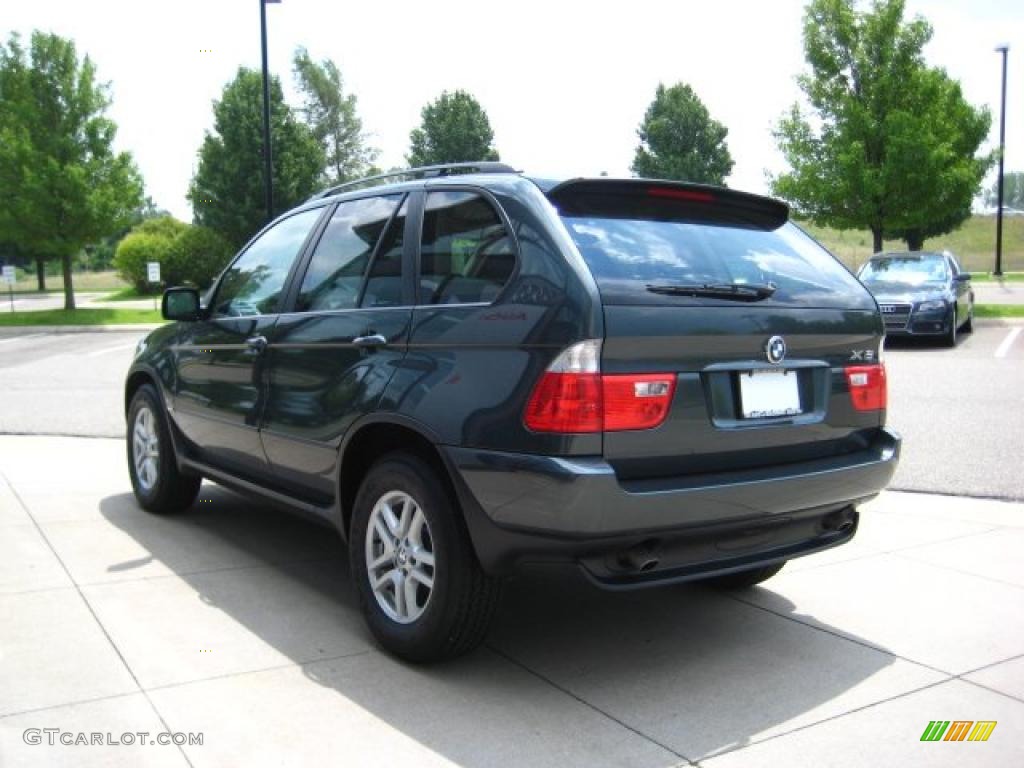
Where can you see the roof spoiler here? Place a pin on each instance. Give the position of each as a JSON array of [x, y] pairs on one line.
[[659, 200]]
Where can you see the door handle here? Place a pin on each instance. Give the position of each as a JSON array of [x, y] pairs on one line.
[[372, 340], [256, 345]]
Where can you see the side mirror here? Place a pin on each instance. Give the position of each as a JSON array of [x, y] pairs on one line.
[[963, 277], [180, 304]]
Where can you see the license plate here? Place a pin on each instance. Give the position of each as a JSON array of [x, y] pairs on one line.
[[764, 394]]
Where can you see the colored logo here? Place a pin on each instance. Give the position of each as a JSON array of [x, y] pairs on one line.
[[775, 349], [958, 730]]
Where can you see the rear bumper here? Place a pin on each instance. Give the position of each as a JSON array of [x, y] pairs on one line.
[[538, 508]]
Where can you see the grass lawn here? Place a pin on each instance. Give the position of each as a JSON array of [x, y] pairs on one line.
[[81, 317], [974, 243], [128, 294], [1007, 277], [999, 310], [86, 282]]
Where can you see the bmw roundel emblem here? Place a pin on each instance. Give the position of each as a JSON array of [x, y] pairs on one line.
[[775, 349]]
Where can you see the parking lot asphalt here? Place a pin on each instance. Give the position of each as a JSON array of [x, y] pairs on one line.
[[239, 623], [958, 409]]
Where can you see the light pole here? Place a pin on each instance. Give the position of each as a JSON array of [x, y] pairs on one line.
[[268, 178], [1003, 49]]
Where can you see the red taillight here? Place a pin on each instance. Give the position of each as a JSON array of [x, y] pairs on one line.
[[674, 193], [636, 401], [566, 402], [574, 397], [867, 387]]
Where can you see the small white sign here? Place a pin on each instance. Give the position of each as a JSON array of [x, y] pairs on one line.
[[153, 271], [9, 276]]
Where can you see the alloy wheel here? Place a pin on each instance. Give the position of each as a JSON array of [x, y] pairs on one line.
[[146, 449], [400, 557]]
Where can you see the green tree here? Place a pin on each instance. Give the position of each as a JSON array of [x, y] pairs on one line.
[[890, 144], [680, 140], [227, 190], [62, 186], [454, 129], [1013, 191], [331, 115]]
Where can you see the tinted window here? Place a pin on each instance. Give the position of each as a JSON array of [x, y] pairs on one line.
[[908, 270], [335, 274], [384, 284], [626, 255], [467, 255], [252, 285]]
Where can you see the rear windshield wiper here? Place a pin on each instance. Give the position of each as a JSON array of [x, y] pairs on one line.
[[731, 291]]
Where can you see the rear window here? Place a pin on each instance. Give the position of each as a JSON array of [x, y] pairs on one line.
[[626, 255]]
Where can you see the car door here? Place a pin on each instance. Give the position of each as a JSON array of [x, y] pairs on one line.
[[333, 353], [220, 387]]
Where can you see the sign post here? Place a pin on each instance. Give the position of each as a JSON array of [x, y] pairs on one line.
[[153, 276], [10, 277]]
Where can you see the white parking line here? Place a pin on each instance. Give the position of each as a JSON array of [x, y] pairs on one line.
[[1004, 348], [19, 338], [118, 348]]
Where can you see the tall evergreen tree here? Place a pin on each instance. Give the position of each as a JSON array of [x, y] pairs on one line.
[[680, 140], [227, 192]]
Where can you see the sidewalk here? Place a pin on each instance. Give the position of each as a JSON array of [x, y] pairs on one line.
[[241, 623]]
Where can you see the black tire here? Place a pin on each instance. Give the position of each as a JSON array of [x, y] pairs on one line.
[[456, 615], [172, 490], [745, 579], [968, 326], [950, 338]]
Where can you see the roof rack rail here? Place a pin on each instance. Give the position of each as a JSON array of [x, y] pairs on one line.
[[423, 172]]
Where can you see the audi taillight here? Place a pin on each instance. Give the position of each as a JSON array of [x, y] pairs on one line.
[[574, 397], [868, 391]]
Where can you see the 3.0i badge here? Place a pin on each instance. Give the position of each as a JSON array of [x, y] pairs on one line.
[[775, 350]]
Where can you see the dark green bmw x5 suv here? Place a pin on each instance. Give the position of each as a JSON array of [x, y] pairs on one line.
[[463, 369]]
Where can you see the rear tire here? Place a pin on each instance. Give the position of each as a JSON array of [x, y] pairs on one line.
[[420, 585], [969, 324], [745, 579], [159, 485]]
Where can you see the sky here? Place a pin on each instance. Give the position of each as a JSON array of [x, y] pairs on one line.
[[565, 83]]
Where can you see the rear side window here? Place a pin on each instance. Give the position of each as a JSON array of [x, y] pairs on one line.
[[334, 278], [467, 255]]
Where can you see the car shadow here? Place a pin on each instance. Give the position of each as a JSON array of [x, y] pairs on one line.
[[696, 670]]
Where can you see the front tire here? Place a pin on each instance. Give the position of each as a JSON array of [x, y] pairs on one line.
[[950, 338], [158, 484], [420, 585]]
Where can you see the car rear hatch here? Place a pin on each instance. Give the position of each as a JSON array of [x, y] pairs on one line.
[[772, 346]]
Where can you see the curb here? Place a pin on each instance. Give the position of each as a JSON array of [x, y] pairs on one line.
[[998, 321], [21, 330]]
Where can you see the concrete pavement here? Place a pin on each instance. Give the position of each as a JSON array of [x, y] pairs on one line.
[[240, 623], [1001, 292]]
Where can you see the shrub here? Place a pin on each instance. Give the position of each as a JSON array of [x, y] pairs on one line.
[[164, 226], [196, 256], [187, 254], [135, 251]]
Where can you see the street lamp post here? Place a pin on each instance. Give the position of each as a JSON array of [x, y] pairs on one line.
[[268, 178], [999, 184]]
